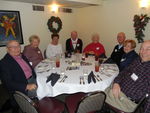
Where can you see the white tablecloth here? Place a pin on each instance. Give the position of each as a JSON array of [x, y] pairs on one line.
[[72, 83]]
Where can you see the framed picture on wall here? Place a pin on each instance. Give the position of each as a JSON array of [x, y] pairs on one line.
[[10, 27]]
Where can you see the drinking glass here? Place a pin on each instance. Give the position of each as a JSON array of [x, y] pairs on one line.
[[97, 66], [85, 72]]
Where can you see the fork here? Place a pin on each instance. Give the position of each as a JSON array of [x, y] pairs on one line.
[[64, 78], [99, 77]]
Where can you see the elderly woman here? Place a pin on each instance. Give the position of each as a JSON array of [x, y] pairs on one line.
[[129, 55], [95, 48], [54, 47], [32, 51]]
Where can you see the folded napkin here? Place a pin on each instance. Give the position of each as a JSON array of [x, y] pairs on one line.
[[91, 77], [53, 78]]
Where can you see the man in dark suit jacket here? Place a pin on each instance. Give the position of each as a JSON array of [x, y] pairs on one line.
[[117, 53], [14, 73], [74, 44]]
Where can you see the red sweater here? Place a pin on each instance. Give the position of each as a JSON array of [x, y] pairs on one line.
[[97, 48]]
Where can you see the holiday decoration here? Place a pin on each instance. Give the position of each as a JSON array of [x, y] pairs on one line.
[[140, 22]]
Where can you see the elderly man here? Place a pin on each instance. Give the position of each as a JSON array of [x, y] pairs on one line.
[[95, 48], [117, 53], [16, 72], [74, 44], [132, 84]]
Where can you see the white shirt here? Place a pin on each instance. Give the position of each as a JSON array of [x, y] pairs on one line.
[[74, 42], [53, 50]]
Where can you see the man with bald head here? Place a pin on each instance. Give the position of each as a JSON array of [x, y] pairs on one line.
[[117, 53], [132, 84], [74, 44]]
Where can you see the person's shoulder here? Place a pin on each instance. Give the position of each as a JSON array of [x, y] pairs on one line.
[[27, 47], [116, 46], [69, 39], [133, 53], [79, 39], [6, 58]]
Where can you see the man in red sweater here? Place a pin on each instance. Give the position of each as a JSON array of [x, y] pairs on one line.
[[95, 48]]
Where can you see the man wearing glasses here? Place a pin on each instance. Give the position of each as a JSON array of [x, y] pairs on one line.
[[16, 72]]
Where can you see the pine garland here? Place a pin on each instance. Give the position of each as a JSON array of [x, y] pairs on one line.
[[140, 22]]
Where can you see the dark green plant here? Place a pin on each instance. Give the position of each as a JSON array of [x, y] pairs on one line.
[[140, 22]]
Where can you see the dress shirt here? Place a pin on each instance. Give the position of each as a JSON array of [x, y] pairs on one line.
[[74, 43], [25, 67], [137, 86]]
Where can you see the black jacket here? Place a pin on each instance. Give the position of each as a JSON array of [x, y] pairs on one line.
[[12, 74], [69, 46], [116, 55]]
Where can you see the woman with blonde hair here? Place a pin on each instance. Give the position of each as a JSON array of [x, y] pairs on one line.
[[129, 55], [32, 51]]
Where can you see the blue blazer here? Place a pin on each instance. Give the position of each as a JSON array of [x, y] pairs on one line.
[[12, 74], [127, 59]]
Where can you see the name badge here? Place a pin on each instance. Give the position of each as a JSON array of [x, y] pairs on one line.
[[116, 50], [39, 52], [123, 59], [97, 48], [30, 63], [134, 77]]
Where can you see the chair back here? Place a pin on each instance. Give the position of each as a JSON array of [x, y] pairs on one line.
[[139, 107], [24, 102], [91, 102]]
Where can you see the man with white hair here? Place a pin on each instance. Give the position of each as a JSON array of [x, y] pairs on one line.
[[16, 73]]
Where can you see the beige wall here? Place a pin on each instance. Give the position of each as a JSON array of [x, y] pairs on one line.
[[35, 22], [107, 20]]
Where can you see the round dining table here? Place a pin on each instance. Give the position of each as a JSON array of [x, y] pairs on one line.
[[73, 76]]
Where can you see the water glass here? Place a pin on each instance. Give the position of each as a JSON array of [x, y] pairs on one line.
[[85, 72]]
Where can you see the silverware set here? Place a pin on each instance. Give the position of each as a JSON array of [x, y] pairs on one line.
[[99, 78], [44, 71], [64, 78]]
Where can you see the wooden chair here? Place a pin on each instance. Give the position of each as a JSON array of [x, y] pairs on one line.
[[45, 105]]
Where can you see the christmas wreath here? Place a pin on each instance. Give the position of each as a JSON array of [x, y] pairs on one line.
[[140, 21], [50, 22]]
